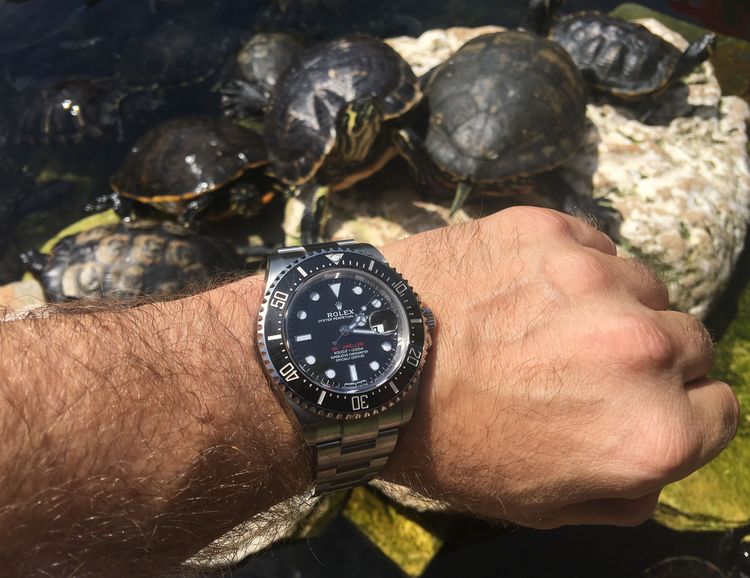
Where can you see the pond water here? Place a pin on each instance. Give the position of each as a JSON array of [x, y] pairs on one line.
[[45, 184]]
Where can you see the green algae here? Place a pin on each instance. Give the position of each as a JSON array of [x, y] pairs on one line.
[[717, 497]]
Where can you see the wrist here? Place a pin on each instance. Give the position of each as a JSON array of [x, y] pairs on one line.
[[257, 423], [410, 461]]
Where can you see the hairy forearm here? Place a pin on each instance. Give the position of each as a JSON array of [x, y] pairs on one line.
[[132, 438]]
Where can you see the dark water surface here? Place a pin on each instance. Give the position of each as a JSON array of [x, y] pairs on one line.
[[44, 185]]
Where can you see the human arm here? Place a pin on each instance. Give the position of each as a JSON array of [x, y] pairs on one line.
[[555, 393]]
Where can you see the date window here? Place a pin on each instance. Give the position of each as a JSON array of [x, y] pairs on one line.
[[383, 321]]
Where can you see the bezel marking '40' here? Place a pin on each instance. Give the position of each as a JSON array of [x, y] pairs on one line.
[[289, 377]]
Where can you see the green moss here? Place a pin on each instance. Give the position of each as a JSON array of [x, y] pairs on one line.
[[717, 496]]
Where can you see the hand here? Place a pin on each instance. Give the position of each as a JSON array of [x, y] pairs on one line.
[[560, 389]]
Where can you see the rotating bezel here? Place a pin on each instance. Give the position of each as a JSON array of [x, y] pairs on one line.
[[287, 374]]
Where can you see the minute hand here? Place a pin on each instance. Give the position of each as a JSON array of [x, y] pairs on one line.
[[369, 332]]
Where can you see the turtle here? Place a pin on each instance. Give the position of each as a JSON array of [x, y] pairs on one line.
[[258, 67], [126, 261], [331, 119], [506, 108], [68, 111], [190, 167], [617, 57]]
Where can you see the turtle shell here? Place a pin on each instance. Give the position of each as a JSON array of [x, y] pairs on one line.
[[505, 105], [184, 158], [616, 56], [127, 261], [300, 125], [266, 56]]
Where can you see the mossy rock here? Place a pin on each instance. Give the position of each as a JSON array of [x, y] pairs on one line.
[[717, 497]]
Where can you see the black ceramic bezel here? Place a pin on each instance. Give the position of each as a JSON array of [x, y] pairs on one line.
[[289, 375]]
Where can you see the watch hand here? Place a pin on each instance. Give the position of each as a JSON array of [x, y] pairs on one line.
[[359, 318], [343, 330], [370, 332]]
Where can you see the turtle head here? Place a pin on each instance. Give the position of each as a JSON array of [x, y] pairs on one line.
[[357, 126], [540, 15]]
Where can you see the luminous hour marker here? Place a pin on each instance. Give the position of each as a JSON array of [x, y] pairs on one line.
[[353, 372], [393, 387], [305, 337], [330, 373], [274, 337], [302, 271], [376, 303], [301, 314], [310, 359], [386, 345], [322, 397], [369, 267], [357, 290], [374, 365], [314, 296], [336, 288]]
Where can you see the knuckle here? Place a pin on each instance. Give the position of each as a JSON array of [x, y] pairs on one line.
[[642, 343], [672, 450], [651, 279], [540, 219], [700, 336], [581, 271]]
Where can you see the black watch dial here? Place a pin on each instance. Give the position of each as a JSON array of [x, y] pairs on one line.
[[342, 333], [345, 331]]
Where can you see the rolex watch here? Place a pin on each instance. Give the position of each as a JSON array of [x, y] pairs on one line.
[[343, 339]]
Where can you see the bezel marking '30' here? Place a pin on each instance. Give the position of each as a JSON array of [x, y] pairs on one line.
[[288, 375]]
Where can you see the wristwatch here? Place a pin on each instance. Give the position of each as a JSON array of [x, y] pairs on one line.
[[343, 339]]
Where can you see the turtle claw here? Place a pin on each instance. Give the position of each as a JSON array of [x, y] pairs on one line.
[[34, 261], [600, 213]]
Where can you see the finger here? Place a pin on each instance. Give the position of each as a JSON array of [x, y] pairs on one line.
[[692, 346], [610, 511], [716, 413], [640, 281]]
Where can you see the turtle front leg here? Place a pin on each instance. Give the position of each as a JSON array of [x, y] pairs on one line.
[[246, 199], [412, 148], [193, 210], [598, 212], [34, 261], [306, 214], [123, 207], [243, 100]]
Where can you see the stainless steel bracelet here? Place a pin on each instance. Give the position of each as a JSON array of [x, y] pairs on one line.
[[347, 452]]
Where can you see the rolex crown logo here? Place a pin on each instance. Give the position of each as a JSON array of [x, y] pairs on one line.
[[339, 305]]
